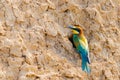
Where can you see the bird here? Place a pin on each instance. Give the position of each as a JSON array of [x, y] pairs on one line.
[[81, 45]]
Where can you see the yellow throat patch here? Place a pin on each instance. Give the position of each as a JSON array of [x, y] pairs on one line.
[[75, 32]]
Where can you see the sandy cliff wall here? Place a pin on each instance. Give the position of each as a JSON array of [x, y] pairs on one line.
[[34, 44]]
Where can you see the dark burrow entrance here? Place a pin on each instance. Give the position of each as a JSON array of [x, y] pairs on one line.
[[71, 40]]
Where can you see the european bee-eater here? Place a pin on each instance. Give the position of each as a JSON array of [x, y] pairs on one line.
[[81, 45]]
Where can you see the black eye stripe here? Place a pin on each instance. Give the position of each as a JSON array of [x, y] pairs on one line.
[[77, 29]]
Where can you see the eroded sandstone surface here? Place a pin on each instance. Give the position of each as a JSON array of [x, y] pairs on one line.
[[35, 45]]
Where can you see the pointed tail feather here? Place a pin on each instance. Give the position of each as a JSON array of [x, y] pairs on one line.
[[85, 67], [88, 59]]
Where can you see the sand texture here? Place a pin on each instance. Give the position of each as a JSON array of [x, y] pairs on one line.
[[35, 45]]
